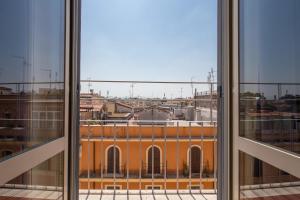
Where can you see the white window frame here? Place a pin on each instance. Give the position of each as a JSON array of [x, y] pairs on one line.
[[265, 152], [11, 168]]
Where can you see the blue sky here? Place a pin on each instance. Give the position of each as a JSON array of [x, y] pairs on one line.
[[32, 42], [270, 45], [170, 40]]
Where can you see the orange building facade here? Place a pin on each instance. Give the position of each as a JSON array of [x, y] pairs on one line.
[[120, 156]]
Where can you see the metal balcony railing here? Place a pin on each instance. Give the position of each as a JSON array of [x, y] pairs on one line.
[[131, 143]]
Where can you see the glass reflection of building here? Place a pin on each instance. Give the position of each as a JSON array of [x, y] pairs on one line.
[[32, 95], [269, 97], [37, 119]]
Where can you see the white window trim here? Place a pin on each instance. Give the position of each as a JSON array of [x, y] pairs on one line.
[[265, 152]]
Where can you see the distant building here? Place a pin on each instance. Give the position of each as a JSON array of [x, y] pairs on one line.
[[5, 91], [91, 107], [153, 115], [28, 120], [206, 99], [117, 111]]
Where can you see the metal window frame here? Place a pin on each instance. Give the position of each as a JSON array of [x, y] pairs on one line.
[[265, 152], [73, 21], [235, 100], [67, 99], [224, 136], [69, 143], [11, 168]]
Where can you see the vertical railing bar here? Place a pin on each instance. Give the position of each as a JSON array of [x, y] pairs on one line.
[[152, 157], [114, 171], [177, 155], [190, 157], [57, 174], [211, 104], [165, 158], [215, 163], [140, 160], [201, 161], [88, 158], [127, 159], [102, 156]]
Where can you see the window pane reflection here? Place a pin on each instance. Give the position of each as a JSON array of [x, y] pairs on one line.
[[31, 73], [261, 181], [44, 181], [269, 72]]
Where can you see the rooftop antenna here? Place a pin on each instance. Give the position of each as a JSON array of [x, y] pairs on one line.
[[56, 79], [50, 75], [212, 74], [181, 92], [25, 64], [89, 84], [132, 86], [259, 90], [209, 80], [192, 84]]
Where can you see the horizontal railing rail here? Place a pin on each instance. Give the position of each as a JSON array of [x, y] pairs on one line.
[[144, 81]]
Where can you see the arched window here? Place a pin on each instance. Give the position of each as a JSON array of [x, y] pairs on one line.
[[113, 160], [153, 155], [195, 159]]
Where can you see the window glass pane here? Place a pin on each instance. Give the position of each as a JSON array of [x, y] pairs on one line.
[[31, 73], [269, 72], [261, 181], [44, 181]]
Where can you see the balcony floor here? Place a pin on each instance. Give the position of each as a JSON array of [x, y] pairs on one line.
[[147, 195]]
